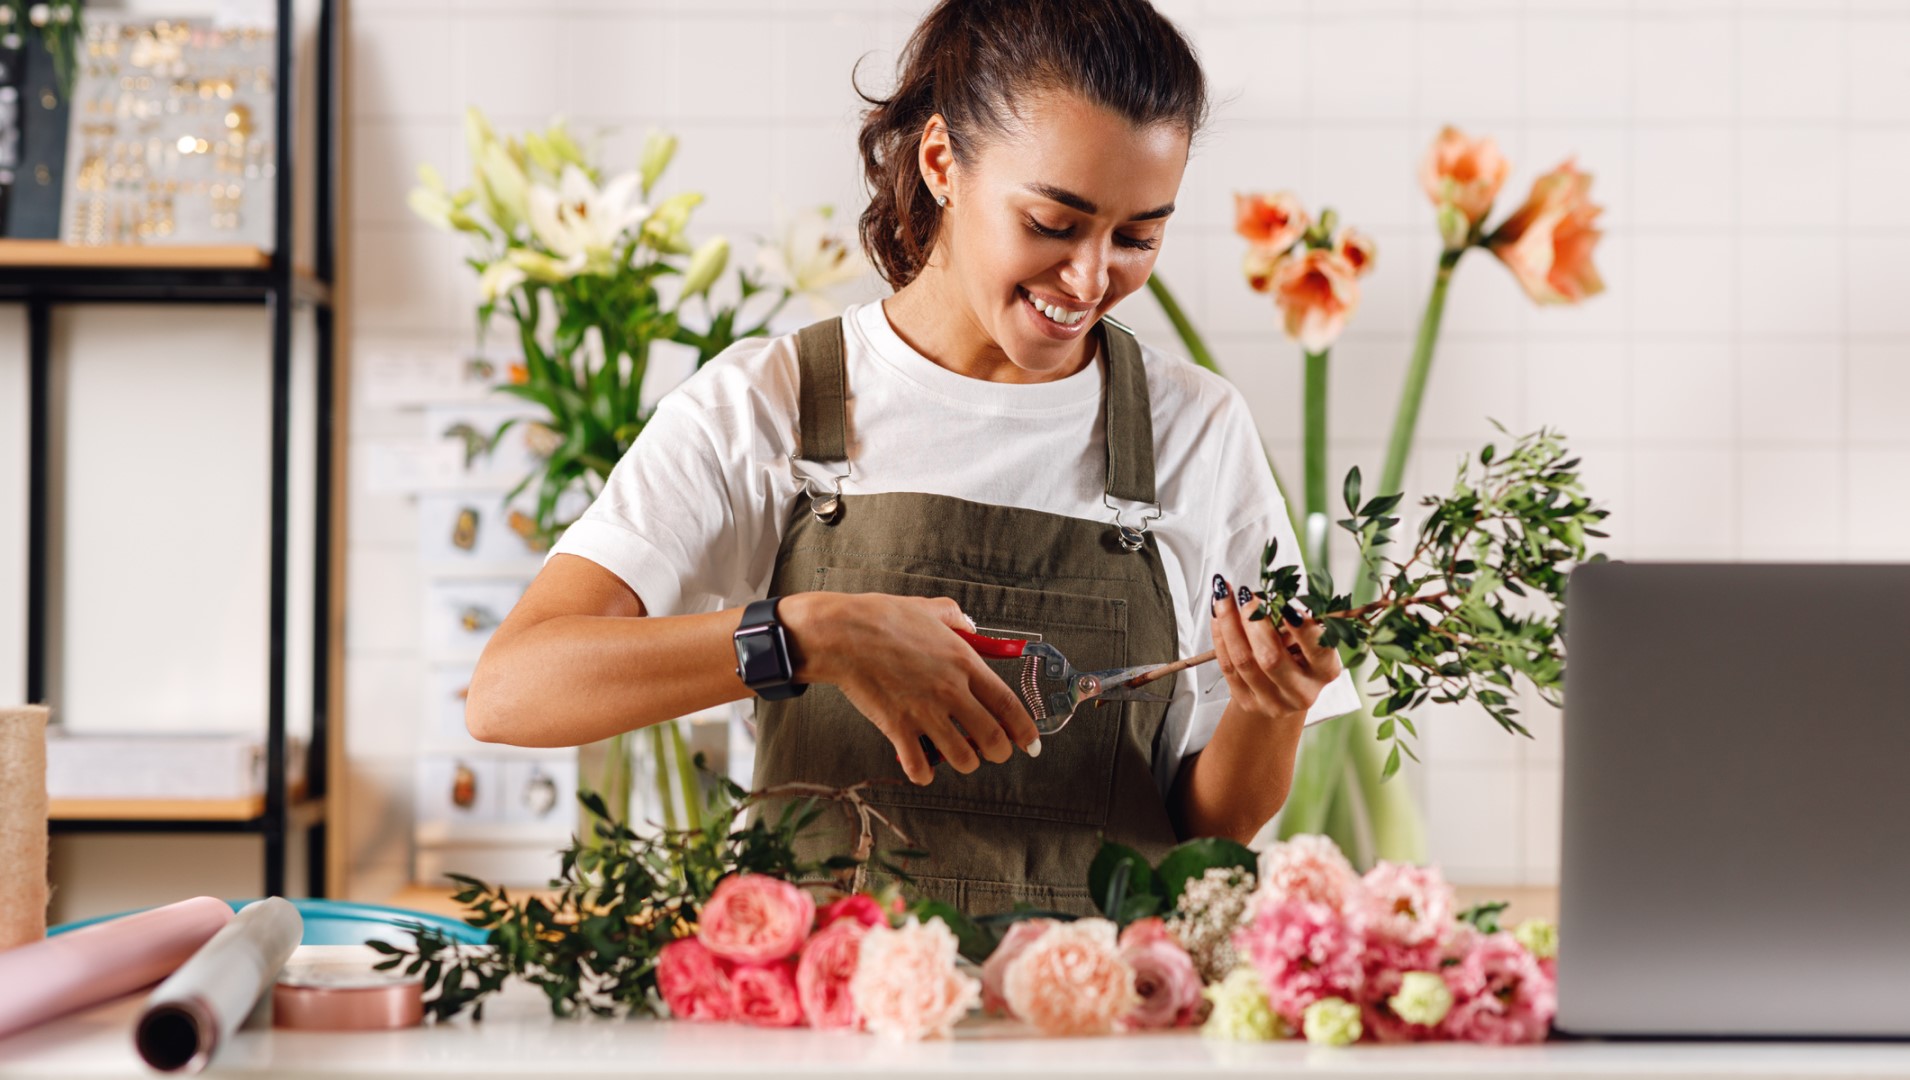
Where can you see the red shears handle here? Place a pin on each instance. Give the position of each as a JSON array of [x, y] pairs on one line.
[[997, 648]]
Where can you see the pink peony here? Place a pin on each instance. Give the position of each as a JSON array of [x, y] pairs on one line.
[[765, 994], [695, 984], [1548, 242], [1401, 904], [1500, 994], [1316, 291], [866, 910], [1166, 980], [754, 919], [1306, 868], [822, 975], [1270, 223], [1019, 936], [905, 984], [1464, 173], [1303, 951], [1072, 980]]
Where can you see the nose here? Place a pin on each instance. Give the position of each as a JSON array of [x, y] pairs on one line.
[[1086, 272]]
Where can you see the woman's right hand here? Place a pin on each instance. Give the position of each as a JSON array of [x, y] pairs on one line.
[[901, 664]]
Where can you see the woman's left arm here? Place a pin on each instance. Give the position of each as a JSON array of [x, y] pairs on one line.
[[1274, 674]]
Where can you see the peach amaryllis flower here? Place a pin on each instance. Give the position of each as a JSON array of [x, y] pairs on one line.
[[1317, 291], [1548, 242], [1462, 176], [1271, 223], [1356, 248]]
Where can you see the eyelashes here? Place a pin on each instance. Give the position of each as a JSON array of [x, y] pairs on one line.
[[1132, 242]]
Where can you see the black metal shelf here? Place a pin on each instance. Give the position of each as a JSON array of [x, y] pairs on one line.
[[276, 282]]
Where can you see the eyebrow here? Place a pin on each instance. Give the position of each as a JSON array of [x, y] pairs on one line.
[[1070, 199]]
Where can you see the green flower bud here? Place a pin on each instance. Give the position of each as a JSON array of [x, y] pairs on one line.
[[1423, 998], [1539, 936], [1332, 1022], [705, 266], [1455, 229], [658, 148]]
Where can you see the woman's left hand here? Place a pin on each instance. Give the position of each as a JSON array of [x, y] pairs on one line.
[[1271, 667]]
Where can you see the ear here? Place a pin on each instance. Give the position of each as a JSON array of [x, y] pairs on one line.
[[935, 158]]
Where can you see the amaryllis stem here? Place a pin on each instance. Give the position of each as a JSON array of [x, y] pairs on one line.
[[1313, 538]]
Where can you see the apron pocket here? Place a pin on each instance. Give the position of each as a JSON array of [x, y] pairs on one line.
[[1072, 779]]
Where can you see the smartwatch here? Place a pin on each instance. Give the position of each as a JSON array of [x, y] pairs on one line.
[[763, 659]]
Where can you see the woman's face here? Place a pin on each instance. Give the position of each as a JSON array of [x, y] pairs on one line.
[[1055, 222]]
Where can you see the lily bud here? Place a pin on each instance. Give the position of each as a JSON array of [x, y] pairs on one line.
[[706, 266], [658, 148]]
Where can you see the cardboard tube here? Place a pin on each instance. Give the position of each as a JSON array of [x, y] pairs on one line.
[[81, 968], [189, 1017], [23, 811]]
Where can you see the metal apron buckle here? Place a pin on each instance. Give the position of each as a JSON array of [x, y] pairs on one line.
[[1132, 538], [825, 503]]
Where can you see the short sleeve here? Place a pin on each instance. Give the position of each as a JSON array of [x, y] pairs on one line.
[[682, 518]]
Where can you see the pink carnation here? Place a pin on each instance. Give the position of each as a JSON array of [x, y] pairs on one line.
[[1385, 965], [906, 985], [1144, 931], [1303, 951], [695, 984], [1072, 980], [1401, 904], [1165, 978], [765, 994], [755, 919], [1020, 935], [1306, 868], [1500, 994], [822, 975], [861, 907]]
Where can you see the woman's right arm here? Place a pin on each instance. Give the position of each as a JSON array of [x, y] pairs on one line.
[[578, 660]]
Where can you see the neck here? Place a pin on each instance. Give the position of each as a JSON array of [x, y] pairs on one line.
[[930, 316]]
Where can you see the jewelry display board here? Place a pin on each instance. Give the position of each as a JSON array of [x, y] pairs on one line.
[[171, 136]]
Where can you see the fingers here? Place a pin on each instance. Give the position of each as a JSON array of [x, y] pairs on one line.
[[908, 751], [954, 744], [1005, 707], [1243, 665], [1324, 660], [984, 730]]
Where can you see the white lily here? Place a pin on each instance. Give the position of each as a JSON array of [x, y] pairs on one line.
[[578, 221], [498, 279], [810, 259]]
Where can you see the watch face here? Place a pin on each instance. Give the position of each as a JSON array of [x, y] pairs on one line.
[[758, 656]]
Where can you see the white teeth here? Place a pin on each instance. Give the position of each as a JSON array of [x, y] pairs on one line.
[[1056, 313]]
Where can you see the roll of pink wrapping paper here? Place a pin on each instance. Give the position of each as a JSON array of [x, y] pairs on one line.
[[85, 967]]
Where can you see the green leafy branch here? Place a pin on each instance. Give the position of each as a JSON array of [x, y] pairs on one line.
[[1443, 627]]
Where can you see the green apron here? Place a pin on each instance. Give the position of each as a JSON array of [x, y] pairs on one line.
[[1022, 832]]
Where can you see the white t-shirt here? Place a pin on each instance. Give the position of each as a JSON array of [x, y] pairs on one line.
[[692, 516]]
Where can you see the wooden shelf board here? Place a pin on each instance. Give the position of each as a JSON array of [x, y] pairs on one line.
[[157, 809], [54, 254]]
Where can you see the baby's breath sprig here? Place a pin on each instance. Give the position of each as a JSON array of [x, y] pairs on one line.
[[1443, 627]]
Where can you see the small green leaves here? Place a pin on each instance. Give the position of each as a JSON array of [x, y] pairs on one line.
[[1352, 489]]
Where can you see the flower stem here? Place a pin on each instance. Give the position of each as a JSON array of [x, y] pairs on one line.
[[1196, 348], [1313, 539]]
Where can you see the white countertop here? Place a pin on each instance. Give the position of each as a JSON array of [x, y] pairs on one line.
[[520, 1038]]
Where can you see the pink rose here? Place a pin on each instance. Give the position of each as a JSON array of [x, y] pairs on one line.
[[1303, 951], [1269, 222], [1146, 931], [1500, 994], [1072, 980], [1307, 867], [906, 985], [1548, 242], [1317, 292], [1020, 935], [1166, 980], [822, 975], [1402, 904], [861, 907], [693, 981], [765, 994], [1464, 173], [754, 919]]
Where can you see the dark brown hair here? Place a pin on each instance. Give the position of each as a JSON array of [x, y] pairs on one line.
[[973, 60]]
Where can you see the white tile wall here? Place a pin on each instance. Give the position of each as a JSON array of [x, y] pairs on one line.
[[1739, 392]]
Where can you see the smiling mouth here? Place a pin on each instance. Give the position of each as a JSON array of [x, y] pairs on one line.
[[1055, 313]]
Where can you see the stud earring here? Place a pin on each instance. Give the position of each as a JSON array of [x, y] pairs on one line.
[[941, 200]]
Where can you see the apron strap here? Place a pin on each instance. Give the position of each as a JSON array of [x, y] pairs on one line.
[[823, 419]]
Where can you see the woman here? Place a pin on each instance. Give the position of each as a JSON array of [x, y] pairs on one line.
[[980, 447]]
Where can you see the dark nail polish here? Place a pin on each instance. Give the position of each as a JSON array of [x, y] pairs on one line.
[[1246, 596], [1220, 587]]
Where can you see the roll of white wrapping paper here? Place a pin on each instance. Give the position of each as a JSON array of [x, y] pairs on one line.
[[23, 813], [81, 968], [194, 1011]]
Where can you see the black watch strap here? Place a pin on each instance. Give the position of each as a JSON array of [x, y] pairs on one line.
[[764, 660]]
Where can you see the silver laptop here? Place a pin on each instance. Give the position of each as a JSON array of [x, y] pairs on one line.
[[1736, 856]]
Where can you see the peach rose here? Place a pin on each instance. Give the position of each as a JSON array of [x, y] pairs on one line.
[[1270, 222], [1465, 174], [822, 975], [693, 982], [1317, 292], [756, 919], [906, 985], [1356, 248], [1548, 242], [1072, 980], [765, 994], [1020, 935]]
